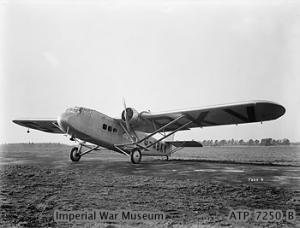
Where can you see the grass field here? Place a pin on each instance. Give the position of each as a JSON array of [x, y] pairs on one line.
[[286, 155], [38, 178]]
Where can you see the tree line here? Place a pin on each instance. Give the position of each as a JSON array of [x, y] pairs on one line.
[[250, 142]]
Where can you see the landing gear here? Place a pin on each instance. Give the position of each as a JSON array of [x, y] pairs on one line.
[[140, 144], [75, 154], [136, 156]]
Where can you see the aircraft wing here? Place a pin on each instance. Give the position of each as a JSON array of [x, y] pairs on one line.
[[238, 113], [49, 125]]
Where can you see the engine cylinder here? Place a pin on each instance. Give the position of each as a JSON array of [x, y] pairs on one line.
[[131, 115]]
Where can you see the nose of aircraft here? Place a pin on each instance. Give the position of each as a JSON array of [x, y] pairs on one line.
[[64, 121]]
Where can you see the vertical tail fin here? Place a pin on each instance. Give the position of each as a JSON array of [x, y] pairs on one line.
[[170, 138], [169, 146]]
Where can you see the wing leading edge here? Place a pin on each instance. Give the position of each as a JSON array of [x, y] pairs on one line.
[[239, 113], [49, 125]]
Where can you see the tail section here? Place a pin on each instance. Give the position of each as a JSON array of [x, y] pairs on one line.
[[185, 143], [170, 138]]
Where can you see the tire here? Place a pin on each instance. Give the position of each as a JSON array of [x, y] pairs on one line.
[[136, 156], [74, 155]]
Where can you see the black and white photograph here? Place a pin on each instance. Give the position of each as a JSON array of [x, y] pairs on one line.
[[139, 113]]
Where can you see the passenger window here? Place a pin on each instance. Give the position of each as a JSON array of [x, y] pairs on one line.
[[115, 130], [109, 128], [104, 126]]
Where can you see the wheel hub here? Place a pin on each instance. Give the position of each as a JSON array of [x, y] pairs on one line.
[[136, 156]]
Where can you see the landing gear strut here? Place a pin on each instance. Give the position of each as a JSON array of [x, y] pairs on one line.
[[75, 154], [136, 156], [140, 144]]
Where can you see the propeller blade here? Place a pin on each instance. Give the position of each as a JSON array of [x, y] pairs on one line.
[[124, 103], [125, 112]]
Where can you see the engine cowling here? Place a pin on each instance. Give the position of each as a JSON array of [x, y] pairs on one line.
[[132, 115]]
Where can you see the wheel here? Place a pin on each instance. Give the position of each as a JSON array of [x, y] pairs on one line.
[[74, 155], [136, 156], [167, 158]]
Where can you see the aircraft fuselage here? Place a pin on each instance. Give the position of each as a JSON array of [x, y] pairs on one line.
[[94, 127]]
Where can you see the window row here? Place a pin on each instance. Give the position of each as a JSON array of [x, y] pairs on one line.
[[109, 128]]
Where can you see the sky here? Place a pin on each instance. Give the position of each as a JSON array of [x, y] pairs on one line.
[[157, 55]]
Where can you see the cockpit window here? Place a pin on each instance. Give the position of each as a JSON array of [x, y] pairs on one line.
[[75, 110]]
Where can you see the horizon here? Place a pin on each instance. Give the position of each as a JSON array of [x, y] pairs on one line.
[[72, 142]]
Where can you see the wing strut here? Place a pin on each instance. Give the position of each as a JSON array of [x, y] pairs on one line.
[[162, 128], [138, 143], [173, 132]]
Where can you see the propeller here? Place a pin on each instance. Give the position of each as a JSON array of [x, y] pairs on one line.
[[130, 131], [125, 116]]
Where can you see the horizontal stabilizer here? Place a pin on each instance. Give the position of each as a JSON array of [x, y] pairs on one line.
[[185, 143]]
